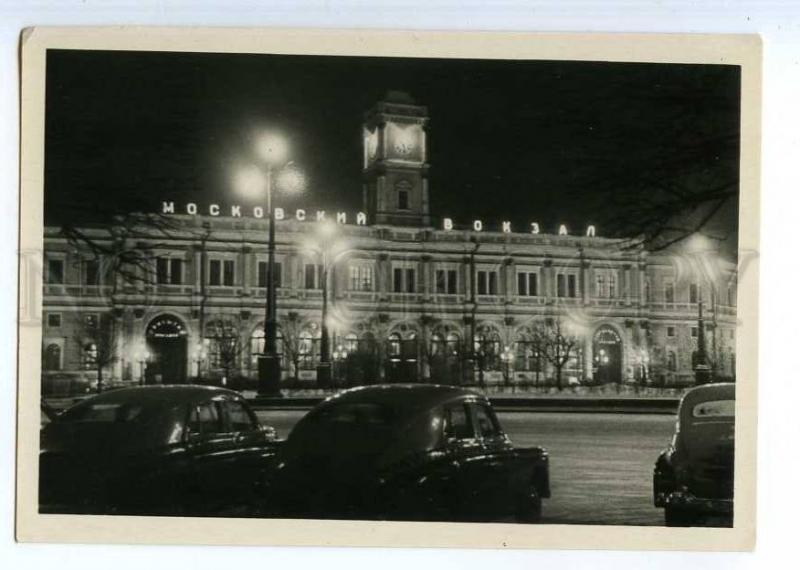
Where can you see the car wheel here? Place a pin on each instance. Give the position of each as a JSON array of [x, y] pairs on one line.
[[676, 517], [530, 510]]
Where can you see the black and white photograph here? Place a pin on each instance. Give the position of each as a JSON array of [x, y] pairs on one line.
[[291, 286]]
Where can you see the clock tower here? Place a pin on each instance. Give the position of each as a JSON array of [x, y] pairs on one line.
[[395, 162]]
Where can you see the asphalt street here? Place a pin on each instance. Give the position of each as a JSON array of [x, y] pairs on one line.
[[600, 464]]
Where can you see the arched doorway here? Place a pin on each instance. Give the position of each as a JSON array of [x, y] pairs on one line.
[[166, 342], [607, 351]]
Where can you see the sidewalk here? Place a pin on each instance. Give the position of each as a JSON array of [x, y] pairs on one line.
[[623, 399]]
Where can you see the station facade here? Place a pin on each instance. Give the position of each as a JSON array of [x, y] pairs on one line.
[[410, 297]]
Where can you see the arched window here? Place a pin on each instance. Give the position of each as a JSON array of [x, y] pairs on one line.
[[89, 356], [52, 357], [528, 355], [351, 342], [257, 344], [437, 345], [394, 345], [487, 349], [453, 344]]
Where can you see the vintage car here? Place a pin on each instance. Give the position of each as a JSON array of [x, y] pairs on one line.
[[406, 452], [154, 450], [693, 478]]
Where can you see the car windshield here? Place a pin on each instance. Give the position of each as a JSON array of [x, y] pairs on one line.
[[106, 412], [350, 426], [714, 409]]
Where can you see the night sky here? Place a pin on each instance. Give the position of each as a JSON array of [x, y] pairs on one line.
[[537, 141]]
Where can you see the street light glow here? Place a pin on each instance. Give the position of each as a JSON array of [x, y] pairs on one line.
[[250, 182], [291, 179], [272, 149]]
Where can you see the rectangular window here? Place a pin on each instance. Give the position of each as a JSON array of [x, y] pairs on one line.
[[411, 284], [398, 280], [228, 269], [561, 285], [693, 296], [441, 281], [483, 283], [670, 332], [162, 270], [215, 272], [402, 200], [277, 279], [694, 332], [452, 281], [572, 285], [175, 271], [446, 281], [487, 283], [612, 285], [90, 273], [669, 292], [54, 320], [55, 271], [360, 278], [731, 295], [310, 276]]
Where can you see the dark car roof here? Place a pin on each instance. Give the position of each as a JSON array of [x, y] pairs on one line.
[[404, 395], [724, 391], [175, 394]]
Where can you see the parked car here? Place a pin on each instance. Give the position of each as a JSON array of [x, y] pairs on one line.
[[406, 452], [154, 450], [693, 477]]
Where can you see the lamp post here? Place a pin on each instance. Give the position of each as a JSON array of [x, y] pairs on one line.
[[328, 252], [700, 252], [272, 150]]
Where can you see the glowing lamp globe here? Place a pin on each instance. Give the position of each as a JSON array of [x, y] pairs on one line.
[[272, 149]]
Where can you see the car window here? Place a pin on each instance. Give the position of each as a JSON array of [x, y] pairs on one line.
[[105, 412], [715, 409], [238, 418], [457, 424], [486, 421], [204, 419]]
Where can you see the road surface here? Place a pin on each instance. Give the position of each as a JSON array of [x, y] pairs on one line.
[[601, 465]]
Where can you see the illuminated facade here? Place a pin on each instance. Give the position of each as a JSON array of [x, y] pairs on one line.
[[407, 301]]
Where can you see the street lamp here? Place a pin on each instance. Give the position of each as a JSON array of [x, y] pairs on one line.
[[328, 252], [339, 357], [701, 254], [272, 150]]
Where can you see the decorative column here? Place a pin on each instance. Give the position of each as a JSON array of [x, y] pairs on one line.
[[642, 280], [426, 275], [548, 285], [247, 259], [508, 278], [586, 281], [627, 281], [588, 358]]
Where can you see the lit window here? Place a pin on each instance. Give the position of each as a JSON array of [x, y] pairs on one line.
[[90, 356], [361, 278]]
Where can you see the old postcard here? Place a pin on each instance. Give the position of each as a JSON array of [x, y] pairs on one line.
[[304, 287]]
